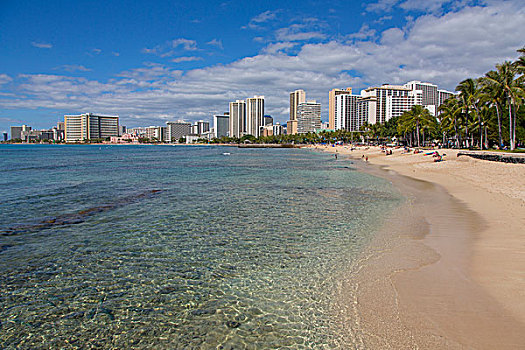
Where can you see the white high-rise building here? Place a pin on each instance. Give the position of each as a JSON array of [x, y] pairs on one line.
[[429, 92], [203, 127], [444, 95], [308, 117], [278, 129], [254, 115], [237, 118], [156, 132], [352, 111]]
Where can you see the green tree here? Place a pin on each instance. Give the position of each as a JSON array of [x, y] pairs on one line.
[[469, 96], [416, 119]]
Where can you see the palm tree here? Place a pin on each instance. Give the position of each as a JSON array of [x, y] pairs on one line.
[[416, 118], [469, 94], [404, 127], [450, 118], [493, 94]]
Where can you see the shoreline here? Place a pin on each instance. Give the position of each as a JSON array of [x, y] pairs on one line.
[[443, 273]]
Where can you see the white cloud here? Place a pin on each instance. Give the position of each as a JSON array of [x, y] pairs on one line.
[[278, 47], [216, 43], [298, 32], [188, 45], [257, 21], [41, 45], [172, 47], [186, 59], [364, 32], [73, 68], [382, 5], [4, 79]]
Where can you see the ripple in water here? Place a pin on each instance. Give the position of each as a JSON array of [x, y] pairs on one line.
[[234, 252]]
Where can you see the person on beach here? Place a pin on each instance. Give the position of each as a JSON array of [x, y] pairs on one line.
[[335, 156], [367, 158]]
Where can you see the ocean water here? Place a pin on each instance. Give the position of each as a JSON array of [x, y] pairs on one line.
[[178, 247]]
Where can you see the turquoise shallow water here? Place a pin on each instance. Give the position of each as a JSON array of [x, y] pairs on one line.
[[178, 247]]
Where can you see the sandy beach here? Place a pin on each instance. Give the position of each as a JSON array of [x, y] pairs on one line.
[[447, 269]]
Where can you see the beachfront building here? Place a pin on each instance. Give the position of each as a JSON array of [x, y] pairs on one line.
[[352, 111], [88, 126], [278, 129], [296, 97], [176, 130], [444, 95], [237, 119], [138, 131], [254, 115], [202, 127], [156, 133], [125, 138], [221, 125], [331, 104], [308, 117], [268, 120], [267, 130], [16, 131]]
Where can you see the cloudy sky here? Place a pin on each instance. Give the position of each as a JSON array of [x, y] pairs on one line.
[[153, 61]]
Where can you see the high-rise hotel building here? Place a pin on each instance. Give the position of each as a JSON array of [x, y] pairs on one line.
[[308, 117], [254, 115], [331, 104], [237, 118], [296, 97], [221, 125], [177, 130], [89, 126]]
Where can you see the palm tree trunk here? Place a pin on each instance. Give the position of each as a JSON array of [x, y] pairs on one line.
[[511, 129], [480, 128], [486, 139], [417, 131], [499, 126], [514, 126]]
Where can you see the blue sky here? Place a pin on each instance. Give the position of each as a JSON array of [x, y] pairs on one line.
[[155, 61]]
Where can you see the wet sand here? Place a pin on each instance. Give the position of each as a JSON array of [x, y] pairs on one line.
[[446, 272]]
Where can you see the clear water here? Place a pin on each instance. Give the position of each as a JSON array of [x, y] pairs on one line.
[[232, 251]]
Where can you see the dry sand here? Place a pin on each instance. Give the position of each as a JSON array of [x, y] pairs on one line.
[[448, 270]]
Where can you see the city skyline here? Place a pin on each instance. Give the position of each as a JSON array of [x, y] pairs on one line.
[[190, 63]]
